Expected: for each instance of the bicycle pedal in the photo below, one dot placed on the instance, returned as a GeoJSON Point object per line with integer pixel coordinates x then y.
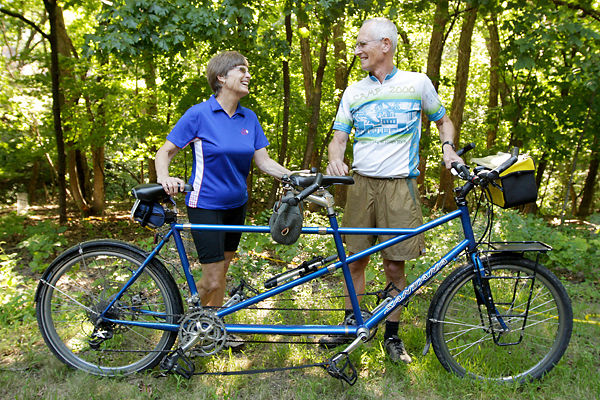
{"type": "Point", "coordinates": [177, 362]}
{"type": "Point", "coordinates": [347, 372]}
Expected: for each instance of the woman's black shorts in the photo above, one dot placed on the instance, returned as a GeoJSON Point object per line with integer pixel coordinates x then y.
{"type": "Point", "coordinates": [212, 245]}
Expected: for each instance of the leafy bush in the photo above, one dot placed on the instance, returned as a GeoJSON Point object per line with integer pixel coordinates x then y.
{"type": "Point", "coordinates": [11, 225]}
{"type": "Point", "coordinates": [15, 298]}
{"type": "Point", "coordinates": [42, 242]}
{"type": "Point", "coordinates": [576, 249]}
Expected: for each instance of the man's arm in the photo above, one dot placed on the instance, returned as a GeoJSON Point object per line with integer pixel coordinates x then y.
{"type": "Point", "coordinates": [336, 150]}
{"type": "Point", "coordinates": [446, 129]}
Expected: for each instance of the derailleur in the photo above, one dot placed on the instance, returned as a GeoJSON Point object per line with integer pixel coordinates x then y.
{"type": "Point", "coordinates": [99, 336]}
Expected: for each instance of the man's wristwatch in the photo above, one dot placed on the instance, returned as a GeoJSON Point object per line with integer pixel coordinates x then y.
{"type": "Point", "coordinates": [450, 143]}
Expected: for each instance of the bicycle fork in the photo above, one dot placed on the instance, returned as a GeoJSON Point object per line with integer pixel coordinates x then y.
{"type": "Point", "coordinates": [485, 299]}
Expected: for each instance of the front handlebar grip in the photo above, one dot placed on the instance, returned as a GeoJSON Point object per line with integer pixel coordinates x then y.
{"type": "Point", "coordinates": [514, 156]}
{"type": "Point", "coordinates": [462, 169]}
{"type": "Point", "coordinates": [468, 147]}
{"type": "Point", "coordinates": [462, 151]}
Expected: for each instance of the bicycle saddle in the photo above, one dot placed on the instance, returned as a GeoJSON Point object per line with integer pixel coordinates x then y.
{"type": "Point", "coordinates": [154, 192]}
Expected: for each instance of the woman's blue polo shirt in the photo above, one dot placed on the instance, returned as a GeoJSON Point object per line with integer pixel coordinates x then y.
{"type": "Point", "coordinates": [222, 148]}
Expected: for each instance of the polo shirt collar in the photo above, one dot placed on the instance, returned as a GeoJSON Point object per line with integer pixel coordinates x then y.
{"type": "Point", "coordinates": [387, 77]}
{"type": "Point", "coordinates": [215, 106]}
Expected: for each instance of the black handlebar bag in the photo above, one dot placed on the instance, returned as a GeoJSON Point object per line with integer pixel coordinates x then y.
{"type": "Point", "coordinates": [516, 185]}
{"type": "Point", "coordinates": [286, 221]}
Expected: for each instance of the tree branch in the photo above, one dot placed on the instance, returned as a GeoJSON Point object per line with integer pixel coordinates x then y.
{"type": "Point", "coordinates": [586, 11]}
{"type": "Point", "coordinates": [28, 22]}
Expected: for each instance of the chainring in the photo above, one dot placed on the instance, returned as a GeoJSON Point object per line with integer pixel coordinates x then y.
{"type": "Point", "coordinates": [209, 329]}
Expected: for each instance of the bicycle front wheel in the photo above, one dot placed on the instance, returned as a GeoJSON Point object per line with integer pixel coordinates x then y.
{"type": "Point", "coordinates": [531, 301]}
{"type": "Point", "coordinates": [81, 284]}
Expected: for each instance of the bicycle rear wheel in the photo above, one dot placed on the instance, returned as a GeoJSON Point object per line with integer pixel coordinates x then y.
{"type": "Point", "coordinates": [81, 283]}
{"type": "Point", "coordinates": [532, 302]}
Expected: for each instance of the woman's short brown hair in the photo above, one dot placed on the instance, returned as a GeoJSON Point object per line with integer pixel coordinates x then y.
{"type": "Point", "coordinates": [220, 65]}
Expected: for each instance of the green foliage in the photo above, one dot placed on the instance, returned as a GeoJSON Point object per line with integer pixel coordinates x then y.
{"type": "Point", "coordinates": [42, 241]}
{"type": "Point", "coordinates": [576, 249]}
{"type": "Point", "coordinates": [141, 66]}
{"type": "Point", "coordinates": [11, 224]}
{"type": "Point", "coordinates": [15, 298]}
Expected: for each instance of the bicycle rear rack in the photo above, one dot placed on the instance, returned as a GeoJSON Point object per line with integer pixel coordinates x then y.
{"type": "Point", "coordinates": [513, 311]}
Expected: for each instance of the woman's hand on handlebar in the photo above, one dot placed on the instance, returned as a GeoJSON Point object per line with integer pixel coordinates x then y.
{"type": "Point", "coordinates": [172, 185]}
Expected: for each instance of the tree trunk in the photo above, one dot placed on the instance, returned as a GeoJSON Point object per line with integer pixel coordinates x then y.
{"type": "Point", "coordinates": [151, 108]}
{"type": "Point", "coordinates": [75, 158]}
{"type": "Point", "coordinates": [98, 191]}
{"type": "Point", "coordinates": [493, 45]}
{"type": "Point", "coordinates": [312, 87]}
{"type": "Point", "coordinates": [591, 180]}
{"type": "Point", "coordinates": [52, 9]}
{"type": "Point", "coordinates": [286, 94]}
{"type": "Point", "coordinates": [341, 82]}
{"type": "Point", "coordinates": [434, 63]}
{"type": "Point", "coordinates": [76, 181]}
{"type": "Point", "coordinates": [445, 197]}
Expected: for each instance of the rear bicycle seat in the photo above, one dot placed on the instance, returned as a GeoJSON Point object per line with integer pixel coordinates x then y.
{"type": "Point", "coordinates": [154, 192]}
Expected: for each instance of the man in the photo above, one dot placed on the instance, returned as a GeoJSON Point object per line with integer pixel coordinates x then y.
{"type": "Point", "coordinates": [385, 109]}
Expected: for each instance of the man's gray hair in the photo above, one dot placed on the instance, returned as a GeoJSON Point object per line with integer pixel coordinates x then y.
{"type": "Point", "coordinates": [384, 28]}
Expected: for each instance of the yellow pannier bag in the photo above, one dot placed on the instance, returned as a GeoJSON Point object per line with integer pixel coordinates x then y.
{"type": "Point", "coordinates": [515, 186]}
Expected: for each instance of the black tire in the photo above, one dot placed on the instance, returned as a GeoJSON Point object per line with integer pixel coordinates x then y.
{"type": "Point", "coordinates": [460, 329]}
{"type": "Point", "coordinates": [80, 283]}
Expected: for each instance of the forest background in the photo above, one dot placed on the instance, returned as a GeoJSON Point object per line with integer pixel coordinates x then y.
{"type": "Point", "coordinates": [89, 91]}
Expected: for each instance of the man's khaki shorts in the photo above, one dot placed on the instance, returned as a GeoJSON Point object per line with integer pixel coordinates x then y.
{"type": "Point", "coordinates": [384, 203]}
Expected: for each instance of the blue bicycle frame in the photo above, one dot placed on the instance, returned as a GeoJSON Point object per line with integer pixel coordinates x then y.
{"type": "Point", "coordinates": [381, 313]}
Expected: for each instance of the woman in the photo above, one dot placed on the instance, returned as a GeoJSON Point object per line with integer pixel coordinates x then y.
{"type": "Point", "coordinates": [225, 138]}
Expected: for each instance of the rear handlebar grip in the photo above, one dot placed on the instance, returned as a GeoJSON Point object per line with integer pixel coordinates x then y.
{"type": "Point", "coordinates": [307, 191]}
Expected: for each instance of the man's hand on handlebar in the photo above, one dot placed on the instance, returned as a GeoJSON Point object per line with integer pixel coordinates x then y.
{"type": "Point", "coordinates": [450, 156]}
{"type": "Point", "coordinates": [172, 185]}
{"type": "Point", "coordinates": [337, 168]}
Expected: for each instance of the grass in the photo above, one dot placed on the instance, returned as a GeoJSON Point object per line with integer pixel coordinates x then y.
{"type": "Point", "coordinates": [28, 370]}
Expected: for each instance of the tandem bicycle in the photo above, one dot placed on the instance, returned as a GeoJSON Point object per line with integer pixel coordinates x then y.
{"type": "Point", "coordinates": [109, 308]}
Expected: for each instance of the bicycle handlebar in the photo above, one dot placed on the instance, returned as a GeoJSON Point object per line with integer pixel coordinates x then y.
{"type": "Point", "coordinates": [482, 178]}
{"type": "Point", "coordinates": [293, 201]}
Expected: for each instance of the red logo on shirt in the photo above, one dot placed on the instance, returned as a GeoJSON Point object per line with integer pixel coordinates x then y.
{"type": "Point", "coordinates": [244, 132]}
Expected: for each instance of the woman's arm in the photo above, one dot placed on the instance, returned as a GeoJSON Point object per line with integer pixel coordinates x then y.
{"type": "Point", "coordinates": [267, 165]}
{"type": "Point", "coordinates": [164, 155]}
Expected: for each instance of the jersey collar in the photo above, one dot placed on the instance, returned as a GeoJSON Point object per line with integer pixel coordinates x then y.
{"type": "Point", "coordinates": [387, 77]}
{"type": "Point", "coordinates": [215, 106]}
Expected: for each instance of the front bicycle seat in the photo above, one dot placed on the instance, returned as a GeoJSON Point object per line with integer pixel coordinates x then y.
{"type": "Point", "coordinates": [154, 192]}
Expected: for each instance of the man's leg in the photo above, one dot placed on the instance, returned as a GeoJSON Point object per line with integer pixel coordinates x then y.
{"type": "Point", "coordinates": [394, 273]}
{"type": "Point", "coordinates": [357, 271]}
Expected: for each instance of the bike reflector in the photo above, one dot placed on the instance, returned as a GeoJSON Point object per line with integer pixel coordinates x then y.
{"type": "Point", "coordinates": [148, 214]}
